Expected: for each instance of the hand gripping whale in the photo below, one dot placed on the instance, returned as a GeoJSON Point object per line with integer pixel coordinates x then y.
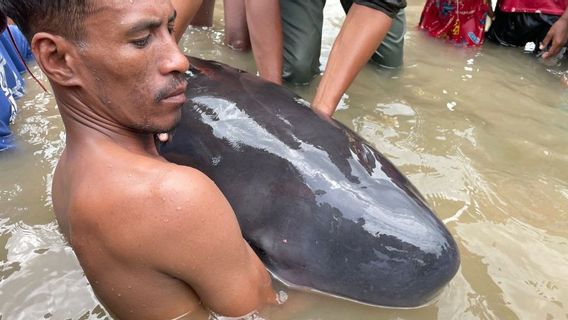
{"type": "Point", "coordinates": [321, 207]}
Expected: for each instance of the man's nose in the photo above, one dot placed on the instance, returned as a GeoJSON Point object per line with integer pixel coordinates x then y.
{"type": "Point", "coordinates": [174, 60]}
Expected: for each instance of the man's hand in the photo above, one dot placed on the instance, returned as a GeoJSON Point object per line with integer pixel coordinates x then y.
{"type": "Point", "coordinates": [362, 32]}
{"type": "Point", "coordinates": [556, 37]}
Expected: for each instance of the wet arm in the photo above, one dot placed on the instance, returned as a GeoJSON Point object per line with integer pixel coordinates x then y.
{"type": "Point", "coordinates": [185, 10]}
{"type": "Point", "coordinates": [265, 29]}
{"type": "Point", "coordinates": [362, 32]}
{"type": "Point", "coordinates": [205, 249]}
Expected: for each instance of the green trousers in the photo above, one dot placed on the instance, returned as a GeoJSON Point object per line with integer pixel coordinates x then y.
{"type": "Point", "coordinates": [302, 22]}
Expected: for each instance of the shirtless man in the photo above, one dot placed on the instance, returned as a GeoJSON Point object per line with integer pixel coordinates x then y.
{"type": "Point", "coordinates": [156, 240]}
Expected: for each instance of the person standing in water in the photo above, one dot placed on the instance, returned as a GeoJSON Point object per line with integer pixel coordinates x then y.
{"type": "Point", "coordinates": [285, 36]}
{"type": "Point", "coordinates": [155, 240]}
{"type": "Point", "coordinates": [544, 23]}
{"type": "Point", "coordinates": [11, 81]}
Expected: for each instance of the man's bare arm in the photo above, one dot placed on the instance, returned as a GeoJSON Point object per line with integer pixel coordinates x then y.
{"type": "Point", "coordinates": [236, 29]}
{"type": "Point", "coordinates": [203, 246]}
{"type": "Point", "coordinates": [265, 29]}
{"type": "Point", "coordinates": [185, 10]}
{"type": "Point", "coordinates": [362, 32]}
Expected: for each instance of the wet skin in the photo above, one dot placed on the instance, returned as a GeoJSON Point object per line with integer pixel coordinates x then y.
{"type": "Point", "coordinates": [321, 207]}
{"type": "Point", "coordinates": [152, 245]}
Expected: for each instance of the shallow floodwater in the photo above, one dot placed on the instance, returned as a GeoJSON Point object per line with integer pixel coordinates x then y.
{"type": "Point", "coordinates": [482, 133]}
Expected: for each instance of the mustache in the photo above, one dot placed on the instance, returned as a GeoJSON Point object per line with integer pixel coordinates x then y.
{"type": "Point", "coordinates": [177, 79]}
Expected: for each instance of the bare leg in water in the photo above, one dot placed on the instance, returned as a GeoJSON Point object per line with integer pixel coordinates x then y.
{"type": "Point", "coordinates": [236, 29]}
{"type": "Point", "coordinates": [204, 17]}
{"type": "Point", "coordinates": [256, 24]}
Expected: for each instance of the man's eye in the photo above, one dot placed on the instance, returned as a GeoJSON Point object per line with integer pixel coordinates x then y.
{"type": "Point", "coordinates": [141, 43]}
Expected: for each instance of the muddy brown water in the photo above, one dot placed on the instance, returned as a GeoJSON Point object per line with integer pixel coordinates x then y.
{"type": "Point", "coordinates": [482, 133]}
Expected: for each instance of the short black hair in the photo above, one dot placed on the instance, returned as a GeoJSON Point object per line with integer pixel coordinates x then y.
{"type": "Point", "coordinates": [3, 22]}
{"type": "Point", "coordinates": [61, 17]}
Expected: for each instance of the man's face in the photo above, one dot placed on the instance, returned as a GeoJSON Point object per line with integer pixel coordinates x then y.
{"type": "Point", "coordinates": [132, 67]}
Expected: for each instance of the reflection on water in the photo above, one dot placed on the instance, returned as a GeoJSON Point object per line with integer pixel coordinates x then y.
{"type": "Point", "coordinates": [482, 133]}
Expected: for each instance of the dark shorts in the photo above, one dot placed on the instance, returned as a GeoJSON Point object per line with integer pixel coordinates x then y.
{"type": "Point", "coordinates": [302, 22]}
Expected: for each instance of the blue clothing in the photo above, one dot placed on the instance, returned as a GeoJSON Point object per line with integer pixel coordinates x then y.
{"type": "Point", "coordinates": [11, 81]}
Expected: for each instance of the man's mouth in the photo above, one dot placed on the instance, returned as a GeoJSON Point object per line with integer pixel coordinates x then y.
{"type": "Point", "coordinates": [177, 95]}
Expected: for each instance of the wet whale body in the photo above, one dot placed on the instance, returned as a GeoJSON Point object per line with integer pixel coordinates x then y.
{"type": "Point", "coordinates": [321, 207]}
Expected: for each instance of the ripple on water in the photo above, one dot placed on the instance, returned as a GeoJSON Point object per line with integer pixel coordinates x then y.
{"type": "Point", "coordinates": [527, 264]}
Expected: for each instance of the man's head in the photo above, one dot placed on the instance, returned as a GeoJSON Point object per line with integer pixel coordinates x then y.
{"type": "Point", "coordinates": [110, 62]}
{"type": "Point", "coordinates": [61, 17]}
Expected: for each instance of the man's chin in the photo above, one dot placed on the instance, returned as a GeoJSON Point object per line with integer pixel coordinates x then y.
{"type": "Point", "coordinates": [160, 128]}
{"type": "Point", "coordinates": [164, 129]}
{"type": "Point", "coordinates": [176, 122]}
{"type": "Point", "coordinates": [170, 126]}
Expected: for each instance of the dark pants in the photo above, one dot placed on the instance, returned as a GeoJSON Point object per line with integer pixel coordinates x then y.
{"type": "Point", "coordinates": [302, 22]}
{"type": "Point", "coordinates": [516, 29]}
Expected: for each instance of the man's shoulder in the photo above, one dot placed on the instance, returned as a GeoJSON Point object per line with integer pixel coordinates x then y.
{"type": "Point", "coordinates": [176, 183]}
{"type": "Point", "coordinates": [142, 191]}
{"type": "Point", "coordinates": [182, 208]}
{"type": "Point", "coordinates": [150, 179]}
{"type": "Point", "coordinates": [166, 186]}
{"type": "Point", "coordinates": [153, 207]}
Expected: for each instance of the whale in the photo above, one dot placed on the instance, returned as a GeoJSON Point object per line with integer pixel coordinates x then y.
{"type": "Point", "coordinates": [322, 208]}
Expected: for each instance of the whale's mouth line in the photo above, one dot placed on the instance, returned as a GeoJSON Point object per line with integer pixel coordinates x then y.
{"type": "Point", "coordinates": [312, 290]}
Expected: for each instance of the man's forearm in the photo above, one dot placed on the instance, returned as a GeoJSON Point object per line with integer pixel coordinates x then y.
{"type": "Point", "coordinates": [185, 10]}
{"type": "Point", "coordinates": [265, 30]}
{"type": "Point", "coordinates": [565, 14]}
{"type": "Point", "coordinates": [361, 34]}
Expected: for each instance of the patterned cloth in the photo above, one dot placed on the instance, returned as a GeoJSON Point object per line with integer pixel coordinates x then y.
{"type": "Point", "coordinates": [11, 81]}
{"type": "Point", "coordinates": [461, 21]}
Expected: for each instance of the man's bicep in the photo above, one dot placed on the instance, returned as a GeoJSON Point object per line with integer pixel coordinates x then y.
{"type": "Point", "coordinates": [213, 258]}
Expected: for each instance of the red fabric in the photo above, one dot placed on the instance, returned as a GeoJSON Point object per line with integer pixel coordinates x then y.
{"type": "Point", "coordinates": [461, 21]}
{"type": "Point", "coordinates": [554, 7]}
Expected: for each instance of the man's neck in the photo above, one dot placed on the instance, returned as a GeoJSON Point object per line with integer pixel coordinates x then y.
{"type": "Point", "coordinates": [85, 128]}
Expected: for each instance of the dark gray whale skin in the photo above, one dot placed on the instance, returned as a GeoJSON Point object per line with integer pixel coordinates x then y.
{"type": "Point", "coordinates": [321, 207]}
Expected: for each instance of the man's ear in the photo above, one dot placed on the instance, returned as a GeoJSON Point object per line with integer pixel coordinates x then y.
{"type": "Point", "coordinates": [56, 57]}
